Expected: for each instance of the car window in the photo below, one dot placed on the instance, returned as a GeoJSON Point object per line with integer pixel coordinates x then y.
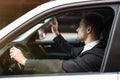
{"type": "Point", "coordinates": [37, 42]}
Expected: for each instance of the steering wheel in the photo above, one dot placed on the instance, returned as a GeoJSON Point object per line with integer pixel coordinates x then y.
{"type": "Point", "coordinates": [15, 67]}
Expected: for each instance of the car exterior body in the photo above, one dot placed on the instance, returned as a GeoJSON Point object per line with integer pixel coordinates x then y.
{"type": "Point", "coordinates": [22, 33]}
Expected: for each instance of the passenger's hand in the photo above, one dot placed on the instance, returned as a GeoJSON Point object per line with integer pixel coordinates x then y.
{"type": "Point", "coordinates": [54, 27]}
{"type": "Point", "coordinates": [17, 55]}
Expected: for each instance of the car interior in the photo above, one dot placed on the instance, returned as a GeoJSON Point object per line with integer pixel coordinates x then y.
{"type": "Point", "coordinates": [40, 45]}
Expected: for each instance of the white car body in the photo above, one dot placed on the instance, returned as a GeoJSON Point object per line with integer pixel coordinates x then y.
{"type": "Point", "coordinates": [38, 10]}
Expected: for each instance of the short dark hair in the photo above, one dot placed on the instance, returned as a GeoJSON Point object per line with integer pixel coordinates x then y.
{"type": "Point", "coordinates": [95, 20]}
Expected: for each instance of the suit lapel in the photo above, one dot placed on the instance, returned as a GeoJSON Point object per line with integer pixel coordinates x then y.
{"type": "Point", "coordinates": [96, 50]}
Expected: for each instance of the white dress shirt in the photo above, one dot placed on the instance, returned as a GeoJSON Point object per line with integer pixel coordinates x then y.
{"type": "Point", "coordinates": [90, 45]}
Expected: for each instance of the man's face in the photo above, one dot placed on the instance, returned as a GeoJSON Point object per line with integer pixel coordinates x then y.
{"type": "Point", "coordinates": [82, 31]}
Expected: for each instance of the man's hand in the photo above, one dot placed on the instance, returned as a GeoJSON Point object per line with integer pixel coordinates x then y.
{"type": "Point", "coordinates": [54, 27]}
{"type": "Point", "coordinates": [17, 54]}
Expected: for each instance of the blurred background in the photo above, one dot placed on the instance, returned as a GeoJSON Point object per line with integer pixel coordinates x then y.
{"type": "Point", "coordinates": [12, 9]}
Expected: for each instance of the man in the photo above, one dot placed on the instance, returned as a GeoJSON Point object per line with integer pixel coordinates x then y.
{"type": "Point", "coordinates": [84, 59]}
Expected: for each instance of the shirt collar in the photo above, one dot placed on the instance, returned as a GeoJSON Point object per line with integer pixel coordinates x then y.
{"type": "Point", "coordinates": [90, 45]}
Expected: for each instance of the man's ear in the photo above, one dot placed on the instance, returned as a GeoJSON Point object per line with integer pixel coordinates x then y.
{"type": "Point", "coordinates": [89, 29]}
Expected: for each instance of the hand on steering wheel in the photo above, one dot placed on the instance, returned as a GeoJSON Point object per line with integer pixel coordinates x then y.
{"type": "Point", "coordinates": [17, 55]}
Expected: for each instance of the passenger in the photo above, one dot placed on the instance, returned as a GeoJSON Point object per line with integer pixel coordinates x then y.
{"type": "Point", "coordinates": [87, 58]}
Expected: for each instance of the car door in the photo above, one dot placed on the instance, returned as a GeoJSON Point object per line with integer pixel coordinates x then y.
{"type": "Point", "coordinates": [26, 35]}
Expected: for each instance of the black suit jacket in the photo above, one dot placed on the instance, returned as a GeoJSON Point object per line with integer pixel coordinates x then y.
{"type": "Point", "coordinates": [87, 61]}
